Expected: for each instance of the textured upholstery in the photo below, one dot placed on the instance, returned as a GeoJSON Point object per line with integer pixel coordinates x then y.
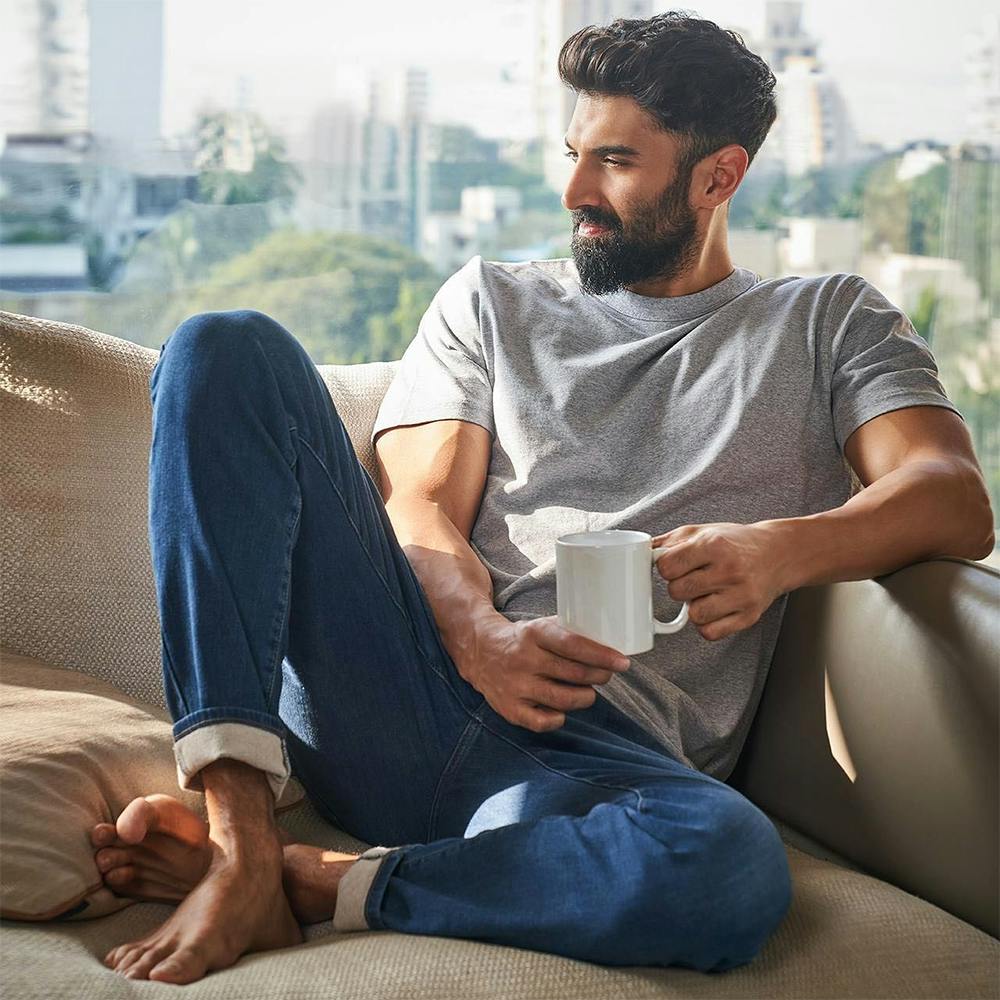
{"type": "Point", "coordinates": [76, 590]}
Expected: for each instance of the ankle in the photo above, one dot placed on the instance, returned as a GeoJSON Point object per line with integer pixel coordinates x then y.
{"type": "Point", "coordinates": [238, 800]}
{"type": "Point", "coordinates": [247, 847]}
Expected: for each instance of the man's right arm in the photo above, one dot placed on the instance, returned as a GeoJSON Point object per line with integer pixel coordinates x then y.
{"type": "Point", "coordinates": [433, 504]}
{"type": "Point", "coordinates": [531, 672]}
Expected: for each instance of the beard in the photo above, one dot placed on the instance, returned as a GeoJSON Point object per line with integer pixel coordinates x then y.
{"type": "Point", "coordinates": [661, 243]}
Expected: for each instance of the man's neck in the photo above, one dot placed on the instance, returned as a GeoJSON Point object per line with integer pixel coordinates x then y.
{"type": "Point", "coordinates": [711, 266]}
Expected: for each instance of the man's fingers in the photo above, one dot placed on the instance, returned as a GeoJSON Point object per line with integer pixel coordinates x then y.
{"type": "Point", "coordinates": [572, 646]}
{"type": "Point", "coordinates": [682, 558]}
{"type": "Point", "coordinates": [540, 719]}
{"type": "Point", "coordinates": [562, 697]}
{"type": "Point", "coordinates": [690, 586]}
{"type": "Point", "coordinates": [572, 672]}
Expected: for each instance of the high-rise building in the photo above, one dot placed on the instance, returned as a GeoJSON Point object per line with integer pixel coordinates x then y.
{"type": "Point", "coordinates": [414, 152]}
{"type": "Point", "coordinates": [44, 69]}
{"type": "Point", "coordinates": [982, 66]}
{"type": "Point", "coordinates": [126, 74]}
{"type": "Point", "coordinates": [813, 127]}
{"type": "Point", "coordinates": [784, 37]}
{"type": "Point", "coordinates": [328, 153]}
{"type": "Point", "coordinates": [83, 66]}
{"type": "Point", "coordinates": [394, 188]}
{"type": "Point", "coordinates": [554, 22]}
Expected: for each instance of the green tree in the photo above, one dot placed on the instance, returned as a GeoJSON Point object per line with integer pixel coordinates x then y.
{"type": "Point", "coordinates": [346, 298]}
{"type": "Point", "coordinates": [227, 136]}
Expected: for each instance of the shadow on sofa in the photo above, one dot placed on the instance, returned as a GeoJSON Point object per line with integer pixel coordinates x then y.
{"type": "Point", "coordinates": [874, 748]}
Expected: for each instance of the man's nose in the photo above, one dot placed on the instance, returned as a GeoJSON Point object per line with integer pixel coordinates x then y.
{"type": "Point", "coordinates": [580, 189]}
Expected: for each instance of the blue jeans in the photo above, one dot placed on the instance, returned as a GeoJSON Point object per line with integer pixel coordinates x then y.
{"type": "Point", "coordinates": [296, 636]}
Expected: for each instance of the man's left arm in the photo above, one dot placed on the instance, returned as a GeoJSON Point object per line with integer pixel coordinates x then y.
{"type": "Point", "coordinates": [924, 497]}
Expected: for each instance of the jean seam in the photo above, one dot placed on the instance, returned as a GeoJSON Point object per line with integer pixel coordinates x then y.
{"type": "Point", "coordinates": [276, 651]}
{"type": "Point", "coordinates": [570, 777]}
{"type": "Point", "coordinates": [392, 597]}
{"type": "Point", "coordinates": [168, 664]}
{"type": "Point", "coordinates": [458, 754]}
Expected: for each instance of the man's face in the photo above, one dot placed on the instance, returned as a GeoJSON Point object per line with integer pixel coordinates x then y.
{"type": "Point", "coordinates": [632, 220]}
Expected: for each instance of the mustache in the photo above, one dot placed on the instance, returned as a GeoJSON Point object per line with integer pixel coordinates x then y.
{"type": "Point", "coordinates": [596, 218]}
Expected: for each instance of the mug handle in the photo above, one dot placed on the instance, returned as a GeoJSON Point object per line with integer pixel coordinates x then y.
{"type": "Point", "coordinates": [667, 628]}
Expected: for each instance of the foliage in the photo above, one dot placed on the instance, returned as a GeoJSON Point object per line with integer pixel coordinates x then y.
{"type": "Point", "coordinates": [192, 240]}
{"type": "Point", "coordinates": [347, 298]}
{"type": "Point", "coordinates": [228, 141]}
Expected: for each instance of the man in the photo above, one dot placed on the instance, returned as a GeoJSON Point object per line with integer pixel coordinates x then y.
{"type": "Point", "coordinates": [402, 652]}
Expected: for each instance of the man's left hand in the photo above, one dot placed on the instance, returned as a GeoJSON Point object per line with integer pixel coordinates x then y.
{"type": "Point", "coordinates": [729, 574]}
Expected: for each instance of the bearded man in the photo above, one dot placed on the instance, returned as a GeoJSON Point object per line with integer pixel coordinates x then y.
{"type": "Point", "coordinates": [398, 648]}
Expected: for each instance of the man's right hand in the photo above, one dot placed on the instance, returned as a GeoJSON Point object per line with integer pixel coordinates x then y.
{"type": "Point", "coordinates": [532, 672]}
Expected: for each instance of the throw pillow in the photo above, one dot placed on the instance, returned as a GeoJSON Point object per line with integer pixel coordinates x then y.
{"type": "Point", "coordinates": [74, 751]}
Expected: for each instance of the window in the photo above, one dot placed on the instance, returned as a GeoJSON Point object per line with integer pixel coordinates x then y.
{"type": "Point", "coordinates": [255, 155]}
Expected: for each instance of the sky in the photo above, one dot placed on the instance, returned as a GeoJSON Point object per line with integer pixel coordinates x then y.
{"type": "Point", "coordinates": [899, 63]}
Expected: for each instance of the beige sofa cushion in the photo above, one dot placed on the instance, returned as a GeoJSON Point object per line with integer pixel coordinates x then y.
{"type": "Point", "coordinates": [74, 751]}
{"type": "Point", "coordinates": [846, 935]}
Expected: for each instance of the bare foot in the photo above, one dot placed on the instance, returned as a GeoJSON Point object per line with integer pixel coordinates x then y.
{"type": "Point", "coordinates": [239, 906]}
{"type": "Point", "coordinates": [159, 851]}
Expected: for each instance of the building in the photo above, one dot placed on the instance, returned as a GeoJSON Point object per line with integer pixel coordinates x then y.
{"type": "Point", "coordinates": [125, 76]}
{"type": "Point", "coordinates": [449, 239]}
{"type": "Point", "coordinates": [83, 66]}
{"type": "Point", "coordinates": [394, 186]}
{"type": "Point", "coordinates": [329, 155]}
{"type": "Point", "coordinates": [81, 157]}
{"type": "Point", "coordinates": [44, 73]}
{"type": "Point", "coordinates": [813, 128]}
{"type": "Point", "coordinates": [815, 246]}
{"type": "Point", "coordinates": [553, 102]}
{"type": "Point", "coordinates": [982, 66]}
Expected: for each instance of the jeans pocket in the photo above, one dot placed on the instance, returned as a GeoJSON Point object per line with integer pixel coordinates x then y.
{"type": "Point", "coordinates": [463, 744]}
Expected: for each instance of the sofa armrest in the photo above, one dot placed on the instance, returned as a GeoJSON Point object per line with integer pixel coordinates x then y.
{"type": "Point", "coordinates": [878, 733]}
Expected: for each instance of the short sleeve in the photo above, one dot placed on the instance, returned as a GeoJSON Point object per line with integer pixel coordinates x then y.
{"type": "Point", "coordinates": [880, 363]}
{"type": "Point", "coordinates": [443, 374]}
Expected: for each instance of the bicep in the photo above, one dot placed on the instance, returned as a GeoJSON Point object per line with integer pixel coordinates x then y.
{"type": "Point", "coordinates": [445, 461]}
{"type": "Point", "coordinates": [911, 434]}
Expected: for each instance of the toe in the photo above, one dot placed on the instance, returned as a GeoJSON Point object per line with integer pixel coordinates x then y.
{"type": "Point", "coordinates": [185, 966]}
{"type": "Point", "coordinates": [120, 876]}
{"type": "Point", "coordinates": [134, 821]}
{"type": "Point", "coordinates": [103, 834]}
{"type": "Point", "coordinates": [127, 954]}
{"type": "Point", "coordinates": [113, 957]}
{"type": "Point", "coordinates": [109, 858]}
{"type": "Point", "coordinates": [142, 963]}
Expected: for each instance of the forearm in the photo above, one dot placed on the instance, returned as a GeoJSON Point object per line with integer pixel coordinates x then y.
{"type": "Point", "coordinates": [457, 585]}
{"type": "Point", "coordinates": [916, 512]}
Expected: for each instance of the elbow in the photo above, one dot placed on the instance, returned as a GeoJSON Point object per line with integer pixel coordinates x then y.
{"type": "Point", "coordinates": [986, 544]}
{"type": "Point", "coordinates": [981, 521]}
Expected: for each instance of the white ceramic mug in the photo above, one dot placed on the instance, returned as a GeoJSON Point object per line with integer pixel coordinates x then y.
{"type": "Point", "coordinates": [604, 588]}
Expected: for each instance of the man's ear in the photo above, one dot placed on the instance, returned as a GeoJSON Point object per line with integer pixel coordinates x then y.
{"type": "Point", "coordinates": [717, 176]}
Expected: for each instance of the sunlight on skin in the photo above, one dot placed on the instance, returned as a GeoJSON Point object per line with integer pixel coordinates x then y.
{"type": "Point", "coordinates": [835, 734]}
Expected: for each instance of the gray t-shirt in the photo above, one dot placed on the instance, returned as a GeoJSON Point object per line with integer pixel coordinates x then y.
{"type": "Point", "coordinates": [626, 411]}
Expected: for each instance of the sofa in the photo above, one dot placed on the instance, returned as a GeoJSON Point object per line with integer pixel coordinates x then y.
{"type": "Point", "coordinates": [874, 748]}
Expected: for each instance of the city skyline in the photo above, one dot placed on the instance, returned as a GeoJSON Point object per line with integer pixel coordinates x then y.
{"type": "Point", "coordinates": [206, 59]}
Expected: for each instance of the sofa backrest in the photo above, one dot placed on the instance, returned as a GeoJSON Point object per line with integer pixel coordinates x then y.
{"type": "Point", "coordinates": [76, 582]}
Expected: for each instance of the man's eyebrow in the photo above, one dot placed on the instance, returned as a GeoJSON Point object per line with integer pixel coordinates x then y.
{"type": "Point", "coordinates": [608, 150]}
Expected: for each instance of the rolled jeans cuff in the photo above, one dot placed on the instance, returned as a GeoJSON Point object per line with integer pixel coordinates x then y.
{"type": "Point", "coordinates": [250, 744]}
{"type": "Point", "coordinates": [354, 887]}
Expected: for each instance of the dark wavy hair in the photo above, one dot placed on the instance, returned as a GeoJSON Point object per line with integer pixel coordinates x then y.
{"type": "Point", "coordinates": [692, 78]}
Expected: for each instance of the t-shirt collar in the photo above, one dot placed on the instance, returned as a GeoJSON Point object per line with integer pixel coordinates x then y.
{"type": "Point", "coordinates": [678, 308]}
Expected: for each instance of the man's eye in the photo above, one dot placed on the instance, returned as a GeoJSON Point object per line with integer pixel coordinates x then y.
{"type": "Point", "coordinates": [570, 153]}
{"type": "Point", "coordinates": [613, 163]}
